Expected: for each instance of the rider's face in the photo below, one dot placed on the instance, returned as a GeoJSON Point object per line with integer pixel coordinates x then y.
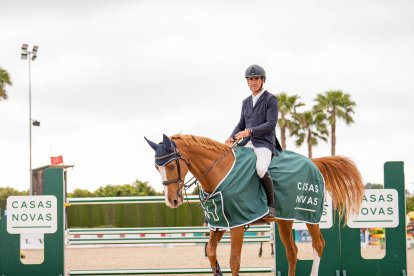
{"type": "Point", "coordinates": [255, 84]}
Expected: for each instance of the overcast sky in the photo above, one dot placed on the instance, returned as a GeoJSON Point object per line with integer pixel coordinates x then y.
{"type": "Point", "coordinates": [109, 73]}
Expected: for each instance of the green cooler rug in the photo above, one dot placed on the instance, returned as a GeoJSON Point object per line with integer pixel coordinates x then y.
{"type": "Point", "coordinates": [240, 198]}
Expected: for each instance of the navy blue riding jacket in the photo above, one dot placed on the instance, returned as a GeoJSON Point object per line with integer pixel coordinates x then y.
{"type": "Point", "coordinates": [261, 119]}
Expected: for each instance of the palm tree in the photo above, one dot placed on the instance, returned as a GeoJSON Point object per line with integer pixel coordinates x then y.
{"type": "Point", "coordinates": [4, 80]}
{"type": "Point", "coordinates": [335, 104]}
{"type": "Point", "coordinates": [311, 127]}
{"type": "Point", "coordinates": [287, 108]}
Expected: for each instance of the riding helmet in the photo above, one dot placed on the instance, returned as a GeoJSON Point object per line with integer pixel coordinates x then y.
{"type": "Point", "coordinates": [255, 71]}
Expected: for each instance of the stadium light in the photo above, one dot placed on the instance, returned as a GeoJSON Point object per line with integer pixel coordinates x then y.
{"type": "Point", "coordinates": [30, 56]}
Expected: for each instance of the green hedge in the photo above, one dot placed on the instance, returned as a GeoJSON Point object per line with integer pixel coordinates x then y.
{"type": "Point", "coordinates": [2, 205]}
{"type": "Point", "coordinates": [131, 215]}
{"type": "Point", "coordinates": [134, 215]}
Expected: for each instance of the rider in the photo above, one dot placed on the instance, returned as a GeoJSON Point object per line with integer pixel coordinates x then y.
{"type": "Point", "coordinates": [258, 125]}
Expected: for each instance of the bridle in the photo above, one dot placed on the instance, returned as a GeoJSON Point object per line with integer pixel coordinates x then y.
{"type": "Point", "coordinates": [177, 157]}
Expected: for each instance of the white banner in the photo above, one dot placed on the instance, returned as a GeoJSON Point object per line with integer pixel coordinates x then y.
{"type": "Point", "coordinates": [31, 214]}
{"type": "Point", "coordinates": [379, 209]}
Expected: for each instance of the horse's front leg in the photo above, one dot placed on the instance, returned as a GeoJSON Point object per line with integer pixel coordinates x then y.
{"type": "Point", "coordinates": [237, 236]}
{"type": "Point", "coordinates": [215, 237]}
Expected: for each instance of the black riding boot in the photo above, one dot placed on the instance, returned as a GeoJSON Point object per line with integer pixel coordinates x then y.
{"type": "Point", "coordinates": [267, 183]}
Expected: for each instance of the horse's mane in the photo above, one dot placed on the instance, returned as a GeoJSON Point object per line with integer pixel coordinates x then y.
{"type": "Point", "coordinates": [207, 143]}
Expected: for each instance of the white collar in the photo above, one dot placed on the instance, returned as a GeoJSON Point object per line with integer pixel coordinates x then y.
{"type": "Point", "coordinates": [256, 98]}
{"type": "Point", "coordinates": [259, 94]}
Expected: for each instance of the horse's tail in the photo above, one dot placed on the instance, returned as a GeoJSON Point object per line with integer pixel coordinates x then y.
{"type": "Point", "coordinates": [344, 182]}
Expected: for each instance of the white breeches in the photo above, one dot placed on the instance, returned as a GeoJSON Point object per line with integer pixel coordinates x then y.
{"type": "Point", "coordinates": [263, 158]}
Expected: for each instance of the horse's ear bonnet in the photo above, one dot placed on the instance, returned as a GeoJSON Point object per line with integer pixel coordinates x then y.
{"type": "Point", "coordinates": [153, 145]}
{"type": "Point", "coordinates": [164, 151]}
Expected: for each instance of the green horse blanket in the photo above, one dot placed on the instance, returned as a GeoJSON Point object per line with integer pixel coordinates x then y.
{"type": "Point", "coordinates": [240, 199]}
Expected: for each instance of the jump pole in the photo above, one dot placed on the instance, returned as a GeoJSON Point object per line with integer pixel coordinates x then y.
{"type": "Point", "coordinates": [125, 200]}
{"type": "Point", "coordinates": [155, 230]}
{"type": "Point", "coordinates": [166, 271]}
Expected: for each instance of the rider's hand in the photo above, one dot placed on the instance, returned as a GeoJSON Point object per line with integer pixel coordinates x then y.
{"type": "Point", "coordinates": [242, 134]}
{"type": "Point", "coordinates": [229, 141]}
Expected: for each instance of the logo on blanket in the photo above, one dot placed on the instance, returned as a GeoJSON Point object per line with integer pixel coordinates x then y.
{"type": "Point", "coordinates": [211, 214]}
{"type": "Point", "coordinates": [213, 206]}
{"type": "Point", "coordinates": [310, 198]}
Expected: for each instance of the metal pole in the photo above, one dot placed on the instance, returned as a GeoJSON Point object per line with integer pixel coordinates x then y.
{"type": "Point", "coordinates": [30, 126]}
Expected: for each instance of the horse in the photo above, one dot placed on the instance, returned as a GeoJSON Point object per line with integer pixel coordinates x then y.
{"type": "Point", "coordinates": [210, 162]}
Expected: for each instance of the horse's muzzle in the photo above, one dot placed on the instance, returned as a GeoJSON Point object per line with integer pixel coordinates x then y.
{"type": "Point", "coordinates": [173, 199]}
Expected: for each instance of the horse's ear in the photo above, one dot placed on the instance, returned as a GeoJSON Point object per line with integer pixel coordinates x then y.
{"type": "Point", "coordinates": [167, 142]}
{"type": "Point", "coordinates": [153, 145]}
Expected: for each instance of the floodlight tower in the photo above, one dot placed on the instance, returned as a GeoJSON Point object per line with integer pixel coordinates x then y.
{"type": "Point", "coordinates": [30, 56]}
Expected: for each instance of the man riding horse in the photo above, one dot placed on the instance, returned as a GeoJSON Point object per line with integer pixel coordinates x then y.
{"type": "Point", "coordinates": [227, 177]}
{"type": "Point", "coordinates": [258, 126]}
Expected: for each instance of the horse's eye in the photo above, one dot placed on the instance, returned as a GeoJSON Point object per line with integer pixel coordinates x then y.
{"type": "Point", "coordinates": [172, 166]}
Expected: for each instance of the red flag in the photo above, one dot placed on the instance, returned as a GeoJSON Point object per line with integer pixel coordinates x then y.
{"type": "Point", "coordinates": [55, 161]}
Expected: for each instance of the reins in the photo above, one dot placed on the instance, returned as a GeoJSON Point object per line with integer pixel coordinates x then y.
{"type": "Point", "coordinates": [177, 156]}
{"type": "Point", "coordinates": [186, 186]}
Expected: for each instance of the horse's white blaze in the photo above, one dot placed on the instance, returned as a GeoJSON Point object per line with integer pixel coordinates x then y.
{"type": "Point", "coordinates": [164, 178]}
{"type": "Point", "coordinates": [166, 198]}
{"type": "Point", "coordinates": [315, 263]}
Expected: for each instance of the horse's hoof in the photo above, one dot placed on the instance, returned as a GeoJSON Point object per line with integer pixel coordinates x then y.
{"type": "Point", "coordinates": [217, 270]}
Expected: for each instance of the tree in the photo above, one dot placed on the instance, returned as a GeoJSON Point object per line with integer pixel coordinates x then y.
{"type": "Point", "coordinates": [287, 108]}
{"type": "Point", "coordinates": [81, 193]}
{"type": "Point", "coordinates": [311, 127]}
{"type": "Point", "coordinates": [7, 191]}
{"type": "Point", "coordinates": [136, 189]}
{"type": "Point", "coordinates": [144, 189]}
{"type": "Point", "coordinates": [4, 80]}
{"type": "Point", "coordinates": [335, 104]}
{"type": "Point", "coordinates": [409, 203]}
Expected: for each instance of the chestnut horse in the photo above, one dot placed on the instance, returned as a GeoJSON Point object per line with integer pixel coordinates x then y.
{"type": "Point", "coordinates": [209, 162]}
